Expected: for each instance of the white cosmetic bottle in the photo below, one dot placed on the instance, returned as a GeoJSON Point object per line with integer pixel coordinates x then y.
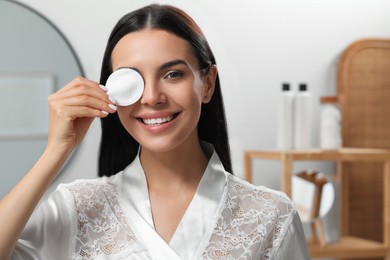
{"type": "Point", "coordinates": [302, 125]}
{"type": "Point", "coordinates": [286, 118]}
{"type": "Point", "coordinates": [330, 128]}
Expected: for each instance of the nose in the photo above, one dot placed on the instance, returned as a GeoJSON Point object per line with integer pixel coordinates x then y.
{"type": "Point", "coordinates": [152, 94]}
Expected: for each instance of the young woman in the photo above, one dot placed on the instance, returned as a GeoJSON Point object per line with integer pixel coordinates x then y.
{"type": "Point", "coordinates": [166, 190]}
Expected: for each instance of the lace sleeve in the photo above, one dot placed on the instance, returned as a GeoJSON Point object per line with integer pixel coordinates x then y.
{"type": "Point", "coordinates": [293, 245]}
{"type": "Point", "coordinates": [48, 233]}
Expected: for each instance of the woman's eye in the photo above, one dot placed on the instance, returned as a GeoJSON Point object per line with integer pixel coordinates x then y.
{"type": "Point", "coordinates": [173, 75]}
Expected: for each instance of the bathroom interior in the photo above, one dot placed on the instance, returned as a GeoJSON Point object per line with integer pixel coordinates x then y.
{"type": "Point", "coordinates": [306, 86]}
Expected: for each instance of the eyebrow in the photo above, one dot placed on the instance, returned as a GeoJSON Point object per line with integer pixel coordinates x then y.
{"type": "Point", "coordinates": [172, 63]}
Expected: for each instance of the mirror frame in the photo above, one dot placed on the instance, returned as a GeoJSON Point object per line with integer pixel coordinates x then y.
{"type": "Point", "coordinates": [74, 54]}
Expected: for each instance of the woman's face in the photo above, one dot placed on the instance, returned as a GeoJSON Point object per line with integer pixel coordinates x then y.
{"type": "Point", "coordinates": [168, 112]}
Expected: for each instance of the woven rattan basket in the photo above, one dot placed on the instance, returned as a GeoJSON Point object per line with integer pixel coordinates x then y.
{"type": "Point", "coordinates": [364, 94]}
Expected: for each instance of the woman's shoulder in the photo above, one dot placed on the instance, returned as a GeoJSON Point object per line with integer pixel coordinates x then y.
{"type": "Point", "coordinates": [83, 190]}
{"type": "Point", "coordinates": [259, 198]}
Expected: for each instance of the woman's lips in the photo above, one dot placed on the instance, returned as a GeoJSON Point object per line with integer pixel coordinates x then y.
{"type": "Point", "coordinates": [157, 119]}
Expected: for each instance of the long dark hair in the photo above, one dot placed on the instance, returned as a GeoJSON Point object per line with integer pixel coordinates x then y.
{"type": "Point", "coordinates": [118, 148]}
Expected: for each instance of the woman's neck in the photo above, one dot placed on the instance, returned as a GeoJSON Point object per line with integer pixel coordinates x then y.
{"type": "Point", "coordinates": [183, 165]}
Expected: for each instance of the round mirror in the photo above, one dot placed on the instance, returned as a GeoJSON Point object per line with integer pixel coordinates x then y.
{"type": "Point", "coordinates": [35, 61]}
{"type": "Point", "coordinates": [313, 195]}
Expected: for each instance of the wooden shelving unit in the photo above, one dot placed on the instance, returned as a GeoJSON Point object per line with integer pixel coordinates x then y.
{"type": "Point", "coordinates": [347, 246]}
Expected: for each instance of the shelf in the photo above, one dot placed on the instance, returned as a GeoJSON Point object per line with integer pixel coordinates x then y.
{"type": "Point", "coordinates": [349, 247]}
{"type": "Point", "coordinates": [342, 154]}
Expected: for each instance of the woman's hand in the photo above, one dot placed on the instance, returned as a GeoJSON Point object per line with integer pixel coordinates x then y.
{"type": "Point", "coordinates": [72, 110]}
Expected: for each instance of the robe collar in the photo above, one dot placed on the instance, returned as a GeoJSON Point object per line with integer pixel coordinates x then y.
{"type": "Point", "coordinates": [201, 213]}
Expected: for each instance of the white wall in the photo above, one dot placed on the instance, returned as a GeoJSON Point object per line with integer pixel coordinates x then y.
{"type": "Point", "coordinates": [258, 45]}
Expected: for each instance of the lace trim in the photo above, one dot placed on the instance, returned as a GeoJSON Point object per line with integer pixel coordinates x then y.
{"type": "Point", "coordinates": [102, 227]}
{"type": "Point", "coordinates": [251, 223]}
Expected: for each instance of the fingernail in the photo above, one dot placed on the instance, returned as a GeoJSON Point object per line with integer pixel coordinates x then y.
{"type": "Point", "coordinates": [113, 107]}
{"type": "Point", "coordinates": [103, 87]}
{"type": "Point", "coordinates": [104, 112]}
{"type": "Point", "coordinates": [112, 99]}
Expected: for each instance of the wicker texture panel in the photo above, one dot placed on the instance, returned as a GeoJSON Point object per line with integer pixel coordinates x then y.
{"type": "Point", "coordinates": [364, 92]}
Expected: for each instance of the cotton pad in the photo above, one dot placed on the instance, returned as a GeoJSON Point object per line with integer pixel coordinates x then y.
{"type": "Point", "coordinates": [125, 86]}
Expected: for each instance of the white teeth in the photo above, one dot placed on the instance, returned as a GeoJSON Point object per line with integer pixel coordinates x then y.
{"type": "Point", "coordinates": [156, 121]}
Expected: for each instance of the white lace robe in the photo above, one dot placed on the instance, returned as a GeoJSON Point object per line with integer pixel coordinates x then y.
{"type": "Point", "coordinates": [227, 219]}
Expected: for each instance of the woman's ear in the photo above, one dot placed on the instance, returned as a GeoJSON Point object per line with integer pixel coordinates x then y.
{"type": "Point", "coordinates": [209, 82]}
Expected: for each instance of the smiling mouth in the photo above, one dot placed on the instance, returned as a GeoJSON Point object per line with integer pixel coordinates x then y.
{"type": "Point", "coordinates": [157, 121]}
